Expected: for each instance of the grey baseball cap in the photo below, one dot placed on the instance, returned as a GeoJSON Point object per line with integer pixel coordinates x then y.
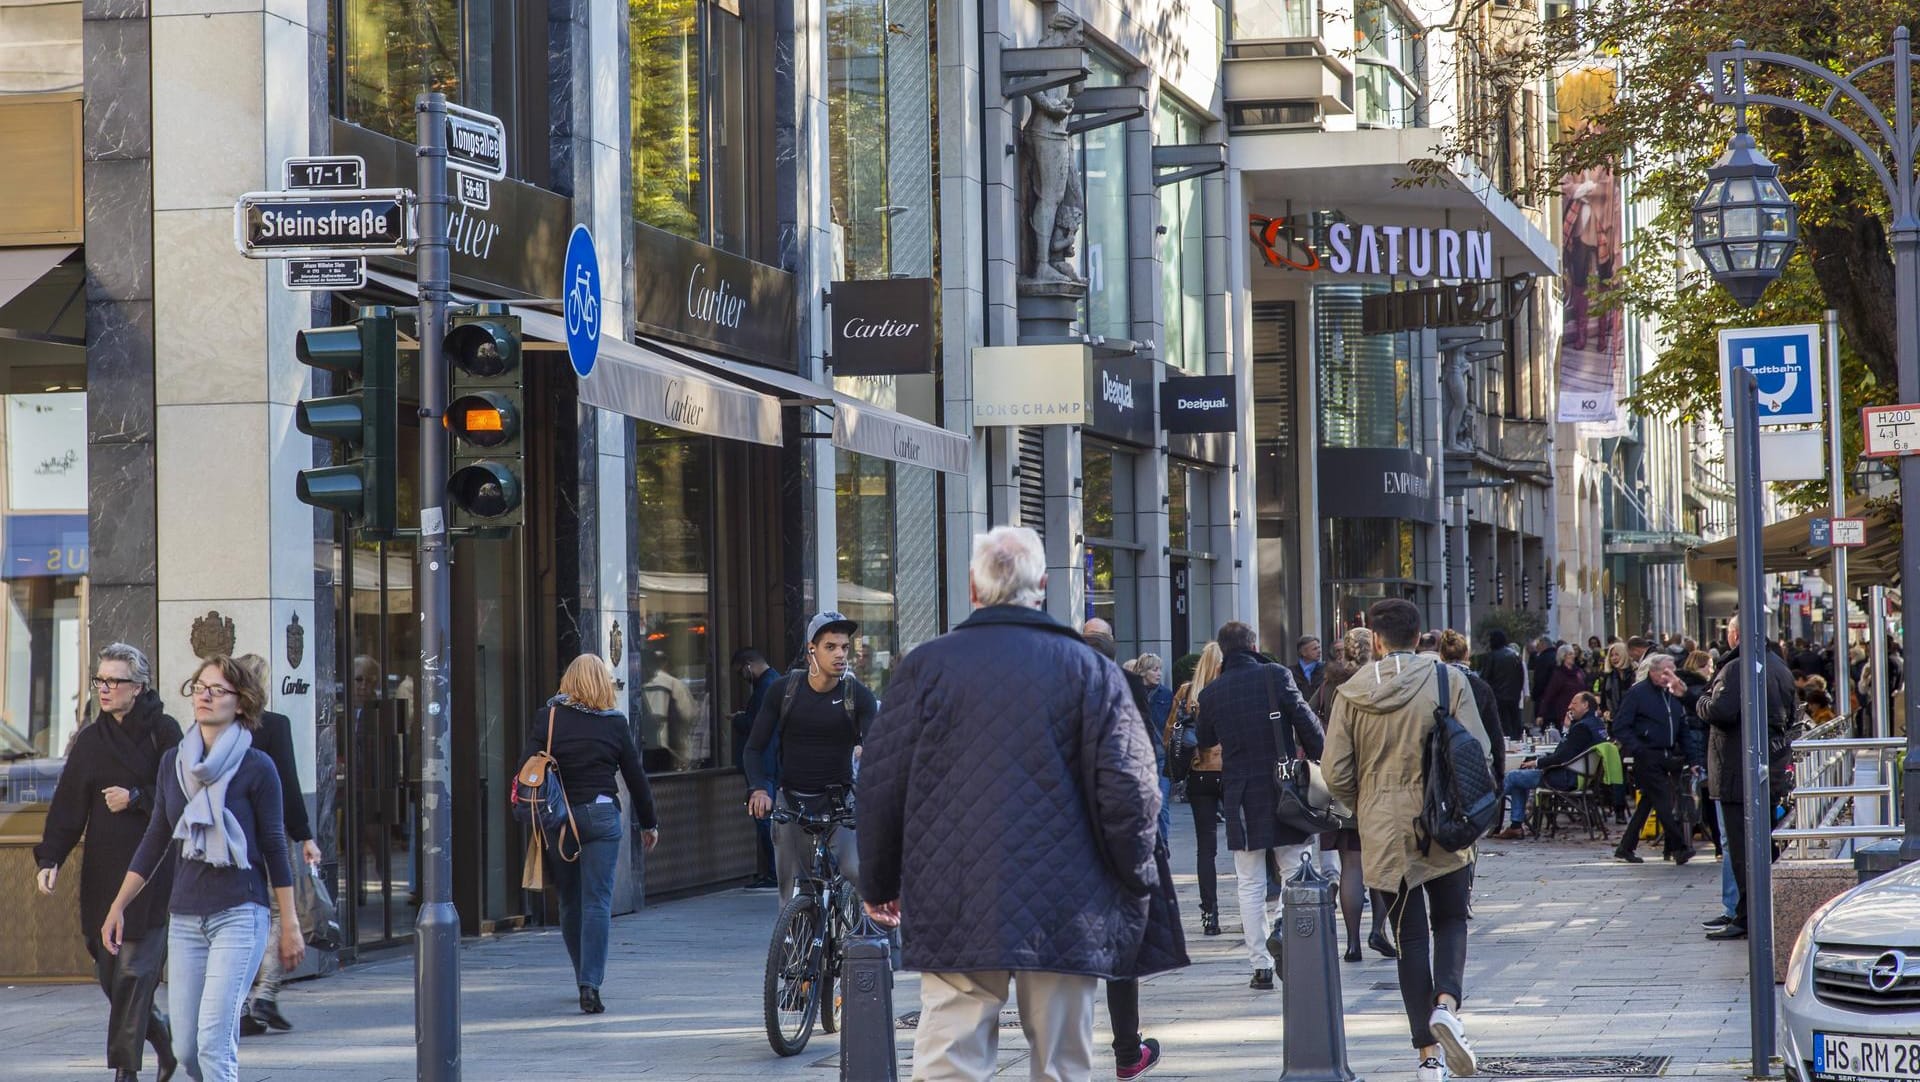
{"type": "Point", "coordinates": [824, 622]}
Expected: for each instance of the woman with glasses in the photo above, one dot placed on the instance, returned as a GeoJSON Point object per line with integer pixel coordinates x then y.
{"type": "Point", "coordinates": [217, 810]}
{"type": "Point", "coordinates": [106, 793]}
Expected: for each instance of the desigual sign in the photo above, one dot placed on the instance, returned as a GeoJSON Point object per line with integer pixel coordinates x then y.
{"type": "Point", "coordinates": [882, 327]}
{"type": "Point", "coordinates": [1198, 404]}
{"type": "Point", "coordinates": [700, 296]}
{"type": "Point", "coordinates": [1407, 251]}
{"type": "Point", "coordinates": [1122, 396]}
{"type": "Point", "coordinates": [1029, 385]}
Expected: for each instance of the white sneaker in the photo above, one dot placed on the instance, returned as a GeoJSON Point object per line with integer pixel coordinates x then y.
{"type": "Point", "coordinates": [1451, 1036]}
{"type": "Point", "coordinates": [1432, 1070]}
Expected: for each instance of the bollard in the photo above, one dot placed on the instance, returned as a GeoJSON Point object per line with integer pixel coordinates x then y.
{"type": "Point", "coordinates": [1313, 1018]}
{"type": "Point", "coordinates": [867, 1052]}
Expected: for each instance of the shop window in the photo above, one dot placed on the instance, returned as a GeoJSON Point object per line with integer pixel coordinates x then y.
{"type": "Point", "coordinates": [45, 656]}
{"type": "Point", "coordinates": [1107, 310]}
{"type": "Point", "coordinates": [865, 522]}
{"type": "Point", "coordinates": [1366, 560]}
{"type": "Point", "coordinates": [673, 481]}
{"type": "Point", "coordinates": [857, 104]}
{"type": "Point", "coordinates": [700, 83]}
{"type": "Point", "coordinates": [1183, 259]}
{"type": "Point", "coordinates": [489, 55]}
{"type": "Point", "coordinates": [1369, 383]}
{"type": "Point", "coordinates": [1387, 67]}
{"type": "Point", "coordinates": [1107, 516]}
{"type": "Point", "coordinates": [1257, 19]}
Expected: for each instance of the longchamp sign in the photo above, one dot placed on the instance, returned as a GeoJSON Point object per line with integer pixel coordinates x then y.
{"type": "Point", "coordinates": [1030, 385]}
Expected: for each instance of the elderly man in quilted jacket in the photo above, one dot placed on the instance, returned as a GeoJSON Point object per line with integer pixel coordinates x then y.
{"type": "Point", "coordinates": [1007, 824]}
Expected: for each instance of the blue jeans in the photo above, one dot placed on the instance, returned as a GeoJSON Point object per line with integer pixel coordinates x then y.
{"type": "Point", "coordinates": [1729, 886]}
{"type": "Point", "coordinates": [1166, 807]}
{"type": "Point", "coordinates": [210, 966]}
{"type": "Point", "coordinates": [586, 891]}
{"type": "Point", "coordinates": [1520, 785]}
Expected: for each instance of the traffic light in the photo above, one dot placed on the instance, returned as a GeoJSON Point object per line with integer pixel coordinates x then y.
{"type": "Point", "coordinates": [361, 424]}
{"type": "Point", "coordinates": [483, 415]}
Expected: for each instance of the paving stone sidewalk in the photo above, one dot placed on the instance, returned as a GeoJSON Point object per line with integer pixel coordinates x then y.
{"type": "Point", "coordinates": [1570, 952]}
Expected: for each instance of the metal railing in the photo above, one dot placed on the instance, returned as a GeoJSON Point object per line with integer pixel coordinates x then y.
{"type": "Point", "coordinates": [1838, 801]}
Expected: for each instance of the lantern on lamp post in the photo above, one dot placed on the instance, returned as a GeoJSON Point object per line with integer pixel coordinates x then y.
{"type": "Point", "coordinates": [1744, 226]}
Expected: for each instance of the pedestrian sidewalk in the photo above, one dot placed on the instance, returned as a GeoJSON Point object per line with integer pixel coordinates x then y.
{"type": "Point", "coordinates": [1570, 953]}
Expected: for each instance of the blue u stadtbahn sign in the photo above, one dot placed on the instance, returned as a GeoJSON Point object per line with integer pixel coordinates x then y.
{"type": "Point", "coordinates": [1785, 361]}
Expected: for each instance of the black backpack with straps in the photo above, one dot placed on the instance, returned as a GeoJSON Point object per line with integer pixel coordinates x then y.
{"type": "Point", "coordinates": [798, 677]}
{"type": "Point", "coordinates": [1461, 801]}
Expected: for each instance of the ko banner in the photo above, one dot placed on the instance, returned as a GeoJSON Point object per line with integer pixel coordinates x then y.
{"type": "Point", "coordinates": [1591, 346]}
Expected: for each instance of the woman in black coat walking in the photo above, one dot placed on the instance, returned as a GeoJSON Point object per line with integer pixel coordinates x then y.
{"type": "Point", "coordinates": [105, 793]}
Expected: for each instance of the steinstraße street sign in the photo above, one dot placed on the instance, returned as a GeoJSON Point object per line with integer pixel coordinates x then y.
{"type": "Point", "coordinates": [476, 143]}
{"type": "Point", "coordinates": [272, 225]}
{"type": "Point", "coordinates": [1889, 431]}
{"type": "Point", "coordinates": [581, 277]}
{"type": "Point", "coordinates": [1785, 361]}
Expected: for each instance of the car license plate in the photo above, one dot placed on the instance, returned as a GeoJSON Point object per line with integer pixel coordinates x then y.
{"type": "Point", "coordinates": [1844, 1057]}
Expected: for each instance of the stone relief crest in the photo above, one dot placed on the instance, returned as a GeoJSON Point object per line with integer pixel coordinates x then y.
{"type": "Point", "coordinates": [296, 642]}
{"type": "Point", "coordinates": [616, 644]}
{"type": "Point", "coordinates": [212, 634]}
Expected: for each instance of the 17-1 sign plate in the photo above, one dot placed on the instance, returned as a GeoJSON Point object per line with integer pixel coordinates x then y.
{"type": "Point", "coordinates": [1844, 1057]}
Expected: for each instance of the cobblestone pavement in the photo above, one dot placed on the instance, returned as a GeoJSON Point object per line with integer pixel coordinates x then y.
{"type": "Point", "coordinates": [1570, 952]}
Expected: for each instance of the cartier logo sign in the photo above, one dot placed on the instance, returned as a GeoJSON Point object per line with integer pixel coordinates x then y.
{"type": "Point", "coordinates": [681, 407]}
{"type": "Point", "coordinates": [906, 447]}
{"type": "Point", "coordinates": [882, 327]}
{"type": "Point", "coordinates": [700, 296]}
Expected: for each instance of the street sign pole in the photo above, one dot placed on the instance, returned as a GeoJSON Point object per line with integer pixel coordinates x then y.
{"type": "Point", "coordinates": [436, 950]}
{"type": "Point", "coordinates": [1744, 392]}
{"type": "Point", "coordinates": [1837, 488]}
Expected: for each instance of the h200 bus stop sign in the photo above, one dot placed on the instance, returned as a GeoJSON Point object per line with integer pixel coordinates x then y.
{"type": "Point", "coordinates": [1887, 431]}
{"type": "Point", "coordinates": [1785, 361]}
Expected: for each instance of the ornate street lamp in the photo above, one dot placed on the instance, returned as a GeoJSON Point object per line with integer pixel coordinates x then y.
{"type": "Point", "coordinates": [1744, 225]}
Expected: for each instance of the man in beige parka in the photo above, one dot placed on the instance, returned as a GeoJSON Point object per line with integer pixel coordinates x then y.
{"type": "Point", "coordinates": [1375, 738]}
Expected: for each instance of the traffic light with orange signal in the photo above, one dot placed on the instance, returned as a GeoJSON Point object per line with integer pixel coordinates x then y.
{"type": "Point", "coordinates": [484, 414]}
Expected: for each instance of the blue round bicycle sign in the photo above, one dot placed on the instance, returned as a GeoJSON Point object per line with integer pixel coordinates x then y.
{"type": "Point", "coordinates": [580, 278]}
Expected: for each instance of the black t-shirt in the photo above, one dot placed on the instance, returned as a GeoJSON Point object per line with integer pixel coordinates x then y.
{"type": "Point", "coordinates": [817, 742]}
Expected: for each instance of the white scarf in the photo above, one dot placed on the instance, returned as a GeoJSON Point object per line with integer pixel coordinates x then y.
{"type": "Point", "coordinates": [208, 831]}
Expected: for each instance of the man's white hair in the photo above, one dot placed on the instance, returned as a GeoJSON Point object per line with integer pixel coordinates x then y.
{"type": "Point", "coordinates": [1009, 567]}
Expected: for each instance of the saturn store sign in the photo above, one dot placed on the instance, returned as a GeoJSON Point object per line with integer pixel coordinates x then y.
{"type": "Point", "coordinates": [1030, 385]}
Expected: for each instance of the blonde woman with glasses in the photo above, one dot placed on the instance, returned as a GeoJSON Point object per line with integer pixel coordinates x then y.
{"type": "Point", "coordinates": [1203, 782]}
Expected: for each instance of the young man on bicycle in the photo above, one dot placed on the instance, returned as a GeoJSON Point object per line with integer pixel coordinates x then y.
{"type": "Point", "coordinates": [815, 719]}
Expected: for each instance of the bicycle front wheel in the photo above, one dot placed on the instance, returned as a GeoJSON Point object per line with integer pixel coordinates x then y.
{"type": "Point", "coordinates": [793, 985]}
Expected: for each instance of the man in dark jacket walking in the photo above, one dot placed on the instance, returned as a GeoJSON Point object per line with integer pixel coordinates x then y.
{"type": "Point", "coordinates": [1651, 727]}
{"type": "Point", "coordinates": [1007, 805]}
{"type": "Point", "coordinates": [1309, 670]}
{"type": "Point", "coordinates": [1719, 707]}
{"type": "Point", "coordinates": [1506, 674]}
{"type": "Point", "coordinates": [1242, 712]}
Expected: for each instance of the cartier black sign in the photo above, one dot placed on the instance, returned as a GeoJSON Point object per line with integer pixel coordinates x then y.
{"type": "Point", "coordinates": [1122, 397]}
{"type": "Point", "coordinates": [701, 296]}
{"type": "Point", "coordinates": [513, 248]}
{"type": "Point", "coordinates": [883, 327]}
{"type": "Point", "coordinates": [1377, 482]}
{"type": "Point", "coordinates": [1462, 305]}
{"type": "Point", "coordinates": [1198, 404]}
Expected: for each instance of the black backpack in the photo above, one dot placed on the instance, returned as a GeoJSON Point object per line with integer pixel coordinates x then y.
{"type": "Point", "coordinates": [1461, 801]}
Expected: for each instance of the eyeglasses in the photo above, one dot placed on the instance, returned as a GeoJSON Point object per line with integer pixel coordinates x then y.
{"type": "Point", "coordinates": [110, 683]}
{"type": "Point", "coordinates": [193, 689]}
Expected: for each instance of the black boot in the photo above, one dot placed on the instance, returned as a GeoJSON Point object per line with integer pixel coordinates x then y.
{"type": "Point", "coordinates": [160, 1036]}
{"type": "Point", "coordinates": [590, 1000]}
{"type": "Point", "coordinates": [268, 1012]}
{"type": "Point", "coordinates": [1209, 922]}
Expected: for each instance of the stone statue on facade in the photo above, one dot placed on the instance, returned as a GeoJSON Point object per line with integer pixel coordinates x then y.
{"type": "Point", "coordinates": [1055, 206]}
{"type": "Point", "coordinates": [1457, 435]}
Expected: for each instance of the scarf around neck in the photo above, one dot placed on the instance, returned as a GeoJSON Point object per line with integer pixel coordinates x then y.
{"type": "Point", "coordinates": [208, 831]}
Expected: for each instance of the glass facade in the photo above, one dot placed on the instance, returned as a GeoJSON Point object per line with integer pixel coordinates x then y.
{"type": "Point", "coordinates": [1107, 310]}
{"type": "Point", "coordinates": [857, 101]}
{"type": "Point", "coordinates": [1255, 19]}
{"type": "Point", "coordinates": [697, 86]}
{"type": "Point", "coordinates": [1388, 70]}
{"type": "Point", "coordinates": [1183, 260]}
{"type": "Point", "coordinates": [44, 653]}
{"type": "Point", "coordinates": [1107, 512]}
{"type": "Point", "coordinates": [1190, 524]}
{"type": "Point", "coordinates": [1369, 384]}
{"type": "Point", "coordinates": [865, 512]}
{"type": "Point", "coordinates": [673, 482]}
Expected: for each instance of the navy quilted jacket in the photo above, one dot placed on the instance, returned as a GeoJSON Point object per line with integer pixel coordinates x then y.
{"type": "Point", "coordinates": [1008, 800]}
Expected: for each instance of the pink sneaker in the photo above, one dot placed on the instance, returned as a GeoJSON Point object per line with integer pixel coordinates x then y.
{"type": "Point", "coordinates": [1149, 1058]}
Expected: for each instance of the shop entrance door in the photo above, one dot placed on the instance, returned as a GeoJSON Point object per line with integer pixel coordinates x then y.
{"type": "Point", "coordinates": [380, 764]}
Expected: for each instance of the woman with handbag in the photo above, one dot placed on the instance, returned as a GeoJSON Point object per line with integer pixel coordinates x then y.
{"type": "Point", "coordinates": [1355, 650]}
{"type": "Point", "coordinates": [585, 741]}
{"type": "Point", "coordinates": [216, 812]}
{"type": "Point", "coordinates": [1202, 772]}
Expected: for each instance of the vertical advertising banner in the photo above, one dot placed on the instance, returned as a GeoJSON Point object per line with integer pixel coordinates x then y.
{"type": "Point", "coordinates": [1591, 346]}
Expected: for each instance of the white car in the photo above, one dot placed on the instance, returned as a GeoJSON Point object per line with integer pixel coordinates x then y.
{"type": "Point", "coordinates": [1851, 1012]}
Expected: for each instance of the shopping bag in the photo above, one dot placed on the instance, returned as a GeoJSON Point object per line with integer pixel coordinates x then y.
{"type": "Point", "coordinates": [314, 907]}
{"type": "Point", "coordinates": [533, 870]}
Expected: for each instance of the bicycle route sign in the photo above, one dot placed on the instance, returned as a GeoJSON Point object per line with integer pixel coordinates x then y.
{"type": "Point", "coordinates": [580, 277]}
{"type": "Point", "coordinates": [1785, 361]}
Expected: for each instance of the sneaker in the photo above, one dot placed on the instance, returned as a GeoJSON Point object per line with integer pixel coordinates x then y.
{"type": "Point", "coordinates": [1149, 1058]}
{"type": "Point", "coordinates": [1729, 930]}
{"type": "Point", "coordinates": [1715, 923]}
{"type": "Point", "coordinates": [1262, 980]}
{"type": "Point", "coordinates": [1209, 922]}
{"type": "Point", "coordinates": [1451, 1036]}
{"type": "Point", "coordinates": [1432, 1070]}
{"type": "Point", "coordinates": [1513, 833]}
{"type": "Point", "coordinates": [251, 1026]}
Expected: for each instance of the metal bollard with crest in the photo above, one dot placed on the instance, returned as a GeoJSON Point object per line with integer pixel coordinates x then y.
{"type": "Point", "coordinates": [1313, 1019]}
{"type": "Point", "coordinates": [867, 1051]}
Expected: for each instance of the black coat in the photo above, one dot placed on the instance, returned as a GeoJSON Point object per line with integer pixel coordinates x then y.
{"type": "Point", "coordinates": [1309, 686]}
{"type": "Point", "coordinates": [1489, 710]}
{"type": "Point", "coordinates": [1650, 725]}
{"type": "Point", "coordinates": [1587, 733]}
{"type": "Point", "coordinates": [1720, 708]}
{"type": "Point", "coordinates": [1696, 745]}
{"type": "Point", "coordinates": [1539, 667]}
{"type": "Point", "coordinates": [1506, 674]}
{"type": "Point", "coordinates": [126, 755]}
{"type": "Point", "coordinates": [1234, 713]}
{"type": "Point", "coordinates": [275, 737]}
{"type": "Point", "coordinates": [1008, 801]}
{"type": "Point", "coordinates": [1556, 694]}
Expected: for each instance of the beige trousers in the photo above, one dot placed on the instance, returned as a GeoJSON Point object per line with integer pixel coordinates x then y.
{"type": "Point", "coordinates": [958, 1039]}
